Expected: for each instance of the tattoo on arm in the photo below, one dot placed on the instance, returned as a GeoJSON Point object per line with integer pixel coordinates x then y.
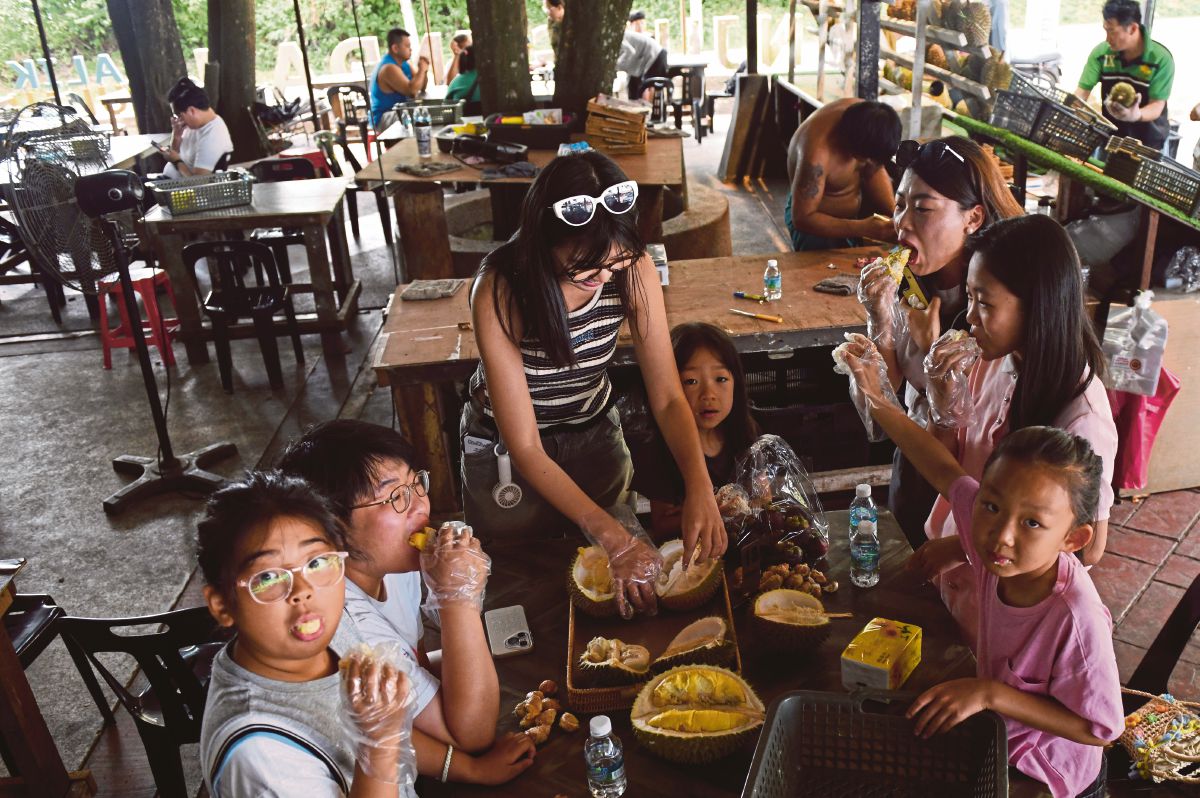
{"type": "Point", "coordinates": [810, 180]}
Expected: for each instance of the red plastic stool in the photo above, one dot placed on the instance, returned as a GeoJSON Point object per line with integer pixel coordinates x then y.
{"type": "Point", "coordinates": [312, 154]}
{"type": "Point", "coordinates": [145, 281]}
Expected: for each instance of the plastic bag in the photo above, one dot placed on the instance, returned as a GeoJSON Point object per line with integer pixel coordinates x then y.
{"type": "Point", "coordinates": [376, 712]}
{"type": "Point", "coordinates": [633, 560]}
{"type": "Point", "coordinates": [1134, 341]}
{"type": "Point", "coordinates": [771, 512]}
{"type": "Point", "coordinates": [947, 366]}
{"type": "Point", "coordinates": [874, 360]}
{"type": "Point", "coordinates": [1183, 272]}
{"type": "Point", "coordinates": [455, 567]}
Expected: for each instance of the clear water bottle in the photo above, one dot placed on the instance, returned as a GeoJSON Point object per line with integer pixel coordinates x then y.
{"type": "Point", "coordinates": [605, 760]}
{"type": "Point", "coordinates": [773, 281]}
{"type": "Point", "coordinates": [423, 128]}
{"type": "Point", "coordinates": [862, 508]}
{"type": "Point", "coordinates": [406, 122]}
{"type": "Point", "coordinates": [864, 554]}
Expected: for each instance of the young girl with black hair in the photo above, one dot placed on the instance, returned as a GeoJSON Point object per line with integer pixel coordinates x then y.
{"type": "Point", "coordinates": [547, 306]}
{"type": "Point", "coordinates": [715, 387]}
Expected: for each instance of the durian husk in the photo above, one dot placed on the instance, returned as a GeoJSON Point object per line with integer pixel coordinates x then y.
{"type": "Point", "coordinates": [696, 714]}
{"type": "Point", "coordinates": [599, 604]}
{"type": "Point", "coordinates": [1123, 93]}
{"type": "Point", "coordinates": [996, 73]}
{"type": "Point", "coordinates": [684, 590]}
{"type": "Point", "coordinates": [936, 56]}
{"type": "Point", "coordinates": [953, 15]}
{"type": "Point", "coordinates": [789, 620]}
{"type": "Point", "coordinates": [702, 642]}
{"type": "Point", "coordinates": [611, 662]}
{"type": "Point", "coordinates": [977, 24]}
{"type": "Point", "coordinates": [961, 108]}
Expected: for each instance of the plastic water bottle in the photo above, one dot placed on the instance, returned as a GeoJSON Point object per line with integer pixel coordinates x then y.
{"type": "Point", "coordinates": [406, 122]}
{"type": "Point", "coordinates": [864, 554]}
{"type": "Point", "coordinates": [862, 508]}
{"type": "Point", "coordinates": [605, 760]}
{"type": "Point", "coordinates": [423, 127]}
{"type": "Point", "coordinates": [773, 281]}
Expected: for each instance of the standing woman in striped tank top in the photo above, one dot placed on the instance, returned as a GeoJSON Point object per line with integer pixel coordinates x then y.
{"type": "Point", "coordinates": [547, 306]}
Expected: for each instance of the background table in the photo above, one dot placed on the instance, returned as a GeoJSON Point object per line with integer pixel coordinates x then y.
{"type": "Point", "coordinates": [314, 206]}
{"type": "Point", "coordinates": [421, 210]}
{"type": "Point", "coordinates": [428, 345]}
{"type": "Point", "coordinates": [534, 576]}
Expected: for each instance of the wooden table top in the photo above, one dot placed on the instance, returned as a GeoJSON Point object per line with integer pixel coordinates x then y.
{"type": "Point", "coordinates": [533, 576]}
{"type": "Point", "coordinates": [424, 337]}
{"type": "Point", "coordinates": [124, 150]}
{"type": "Point", "coordinates": [295, 203]}
{"type": "Point", "coordinates": [661, 165]}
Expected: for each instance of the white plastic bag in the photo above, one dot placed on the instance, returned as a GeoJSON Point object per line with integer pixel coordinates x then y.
{"type": "Point", "coordinates": [1134, 341]}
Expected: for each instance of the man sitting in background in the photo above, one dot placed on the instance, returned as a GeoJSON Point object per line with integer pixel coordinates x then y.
{"type": "Point", "coordinates": [394, 80]}
{"type": "Point", "coordinates": [836, 166]}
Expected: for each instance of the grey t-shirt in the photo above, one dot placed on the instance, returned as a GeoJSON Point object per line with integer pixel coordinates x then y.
{"type": "Point", "coordinates": [295, 746]}
{"type": "Point", "coordinates": [638, 52]}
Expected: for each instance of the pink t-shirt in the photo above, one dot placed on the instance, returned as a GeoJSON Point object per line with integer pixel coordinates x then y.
{"type": "Point", "coordinates": [992, 383]}
{"type": "Point", "coordinates": [1060, 648]}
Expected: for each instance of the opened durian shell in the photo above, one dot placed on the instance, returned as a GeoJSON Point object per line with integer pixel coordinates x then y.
{"type": "Point", "coordinates": [589, 583]}
{"type": "Point", "coordinates": [790, 620]}
{"type": "Point", "coordinates": [696, 714]}
{"type": "Point", "coordinates": [678, 589]}
{"type": "Point", "coordinates": [702, 642]}
{"type": "Point", "coordinates": [610, 662]}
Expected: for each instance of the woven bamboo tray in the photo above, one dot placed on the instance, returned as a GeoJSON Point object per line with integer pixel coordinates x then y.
{"type": "Point", "coordinates": [652, 632]}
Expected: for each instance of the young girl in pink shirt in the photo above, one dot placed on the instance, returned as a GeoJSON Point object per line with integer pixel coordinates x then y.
{"type": "Point", "coordinates": [1045, 653]}
{"type": "Point", "coordinates": [1039, 364]}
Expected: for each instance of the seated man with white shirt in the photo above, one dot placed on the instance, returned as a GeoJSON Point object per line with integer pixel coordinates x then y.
{"type": "Point", "coordinates": [199, 137]}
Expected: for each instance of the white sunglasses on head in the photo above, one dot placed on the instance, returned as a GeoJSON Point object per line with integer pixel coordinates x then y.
{"type": "Point", "coordinates": [579, 209]}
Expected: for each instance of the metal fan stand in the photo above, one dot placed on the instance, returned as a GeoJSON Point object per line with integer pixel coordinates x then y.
{"type": "Point", "coordinates": [168, 472]}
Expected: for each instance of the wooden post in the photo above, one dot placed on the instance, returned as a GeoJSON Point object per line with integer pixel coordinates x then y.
{"type": "Point", "coordinates": [918, 71]}
{"type": "Point", "coordinates": [792, 41]}
{"type": "Point", "coordinates": [751, 37]}
{"type": "Point", "coordinates": [868, 50]}
{"type": "Point", "coordinates": [419, 412]}
{"type": "Point", "coordinates": [424, 235]}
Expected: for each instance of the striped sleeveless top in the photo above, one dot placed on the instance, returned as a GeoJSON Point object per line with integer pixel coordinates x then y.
{"type": "Point", "coordinates": [570, 394]}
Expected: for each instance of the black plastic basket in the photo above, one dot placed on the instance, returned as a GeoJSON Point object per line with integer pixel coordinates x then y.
{"type": "Point", "coordinates": [1050, 124]}
{"type": "Point", "coordinates": [827, 744]}
{"type": "Point", "coordinates": [1149, 171]}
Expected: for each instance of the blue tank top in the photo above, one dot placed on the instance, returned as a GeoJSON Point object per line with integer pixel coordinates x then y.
{"type": "Point", "coordinates": [382, 101]}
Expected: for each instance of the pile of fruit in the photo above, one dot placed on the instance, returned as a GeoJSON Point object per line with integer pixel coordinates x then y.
{"type": "Point", "coordinates": [537, 713]}
{"type": "Point", "coordinates": [608, 662]}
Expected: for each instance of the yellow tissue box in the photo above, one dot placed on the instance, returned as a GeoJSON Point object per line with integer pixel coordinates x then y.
{"type": "Point", "coordinates": [882, 655]}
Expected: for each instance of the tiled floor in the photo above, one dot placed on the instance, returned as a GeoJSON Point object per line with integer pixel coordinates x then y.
{"type": "Point", "coordinates": [1153, 554]}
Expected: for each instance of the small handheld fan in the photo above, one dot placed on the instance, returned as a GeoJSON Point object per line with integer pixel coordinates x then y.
{"type": "Point", "coordinates": [507, 493]}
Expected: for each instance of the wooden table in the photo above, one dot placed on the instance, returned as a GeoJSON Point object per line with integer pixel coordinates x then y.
{"type": "Point", "coordinates": [111, 101]}
{"type": "Point", "coordinates": [24, 729]}
{"type": "Point", "coordinates": [314, 206]}
{"type": "Point", "coordinates": [127, 152]}
{"type": "Point", "coordinates": [534, 577]}
{"type": "Point", "coordinates": [421, 211]}
{"type": "Point", "coordinates": [428, 345]}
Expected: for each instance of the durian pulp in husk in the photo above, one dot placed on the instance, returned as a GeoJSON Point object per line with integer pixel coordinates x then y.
{"type": "Point", "coordinates": [702, 642]}
{"type": "Point", "coordinates": [591, 584]}
{"type": "Point", "coordinates": [790, 619]}
{"type": "Point", "coordinates": [608, 662]}
{"type": "Point", "coordinates": [696, 714]}
{"type": "Point", "coordinates": [678, 589]}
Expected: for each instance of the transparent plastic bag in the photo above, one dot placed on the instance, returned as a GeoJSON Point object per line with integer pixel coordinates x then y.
{"type": "Point", "coordinates": [455, 568]}
{"type": "Point", "coordinates": [633, 560]}
{"type": "Point", "coordinates": [871, 358]}
{"type": "Point", "coordinates": [376, 699]}
{"type": "Point", "coordinates": [947, 367]}
{"type": "Point", "coordinates": [887, 322]}
{"type": "Point", "coordinates": [1135, 339]}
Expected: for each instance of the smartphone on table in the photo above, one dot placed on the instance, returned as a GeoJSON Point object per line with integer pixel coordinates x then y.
{"type": "Point", "coordinates": [508, 631]}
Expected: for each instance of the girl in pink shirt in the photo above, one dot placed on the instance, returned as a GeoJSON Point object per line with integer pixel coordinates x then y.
{"type": "Point", "coordinates": [1038, 365]}
{"type": "Point", "coordinates": [1045, 653]}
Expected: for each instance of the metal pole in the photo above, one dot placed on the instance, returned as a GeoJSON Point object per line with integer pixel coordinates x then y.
{"type": "Point", "coordinates": [751, 37]}
{"type": "Point", "coordinates": [1148, 17]}
{"type": "Point", "coordinates": [868, 49]}
{"type": "Point", "coordinates": [792, 42]}
{"type": "Point", "coordinates": [37, 15]}
{"type": "Point", "coordinates": [318, 119]}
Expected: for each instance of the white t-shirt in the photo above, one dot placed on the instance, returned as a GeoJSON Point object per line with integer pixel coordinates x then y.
{"type": "Point", "coordinates": [395, 619]}
{"type": "Point", "coordinates": [203, 147]}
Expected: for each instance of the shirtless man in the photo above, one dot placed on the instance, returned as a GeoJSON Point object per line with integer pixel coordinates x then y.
{"type": "Point", "coordinates": [835, 163]}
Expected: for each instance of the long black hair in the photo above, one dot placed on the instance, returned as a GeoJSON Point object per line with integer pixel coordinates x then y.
{"type": "Point", "coordinates": [739, 427]}
{"type": "Point", "coordinates": [524, 268]}
{"type": "Point", "coordinates": [1081, 469]}
{"type": "Point", "coordinates": [1033, 257]}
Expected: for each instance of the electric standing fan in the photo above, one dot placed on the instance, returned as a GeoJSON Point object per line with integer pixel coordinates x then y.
{"type": "Point", "coordinates": [77, 220]}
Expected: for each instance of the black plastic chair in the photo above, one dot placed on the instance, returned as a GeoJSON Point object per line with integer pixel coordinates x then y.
{"type": "Point", "coordinates": [356, 113]}
{"type": "Point", "coordinates": [325, 141]}
{"type": "Point", "coordinates": [233, 297]}
{"type": "Point", "coordinates": [80, 105]}
{"type": "Point", "coordinates": [176, 662]}
{"type": "Point", "coordinates": [661, 104]}
{"type": "Point", "coordinates": [278, 170]}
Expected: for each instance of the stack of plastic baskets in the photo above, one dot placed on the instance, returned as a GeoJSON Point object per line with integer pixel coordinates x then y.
{"type": "Point", "coordinates": [1151, 172]}
{"type": "Point", "coordinates": [1048, 123]}
{"type": "Point", "coordinates": [829, 745]}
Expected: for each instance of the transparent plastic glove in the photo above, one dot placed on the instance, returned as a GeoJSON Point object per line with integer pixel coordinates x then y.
{"type": "Point", "coordinates": [946, 368]}
{"type": "Point", "coordinates": [633, 559]}
{"type": "Point", "coordinates": [376, 716]}
{"type": "Point", "coordinates": [455, 567]}
{"type": "Point", "coordinates": [860, 359]}
{"type": "Point", "coordinates": [878, 295]}
{"type": "Point", "coordinates": [1125, 113]}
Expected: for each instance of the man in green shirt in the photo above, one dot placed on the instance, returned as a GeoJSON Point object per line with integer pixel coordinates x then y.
{"type": "Point", "coordinates": [1128, 55]}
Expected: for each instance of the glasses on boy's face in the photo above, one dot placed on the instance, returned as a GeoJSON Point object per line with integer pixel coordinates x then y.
{"type": "Point", "coordinates": [401, 496]}
{"type": "Point", "coordinates": [275, 584]}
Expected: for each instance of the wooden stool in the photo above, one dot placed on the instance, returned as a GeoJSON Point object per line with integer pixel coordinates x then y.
{"type": "Point", "coordinates": [159, 331]}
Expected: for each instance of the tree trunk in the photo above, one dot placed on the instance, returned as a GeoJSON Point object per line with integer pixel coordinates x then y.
{"type": "Point", "coordinates": [231, 46]}
{"type": "Point", "coordinates": [149, 42]}
{"type": "Point", "coordinates": [587, 52]}
{"type": "Point", "coordinates": [501, 57]}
